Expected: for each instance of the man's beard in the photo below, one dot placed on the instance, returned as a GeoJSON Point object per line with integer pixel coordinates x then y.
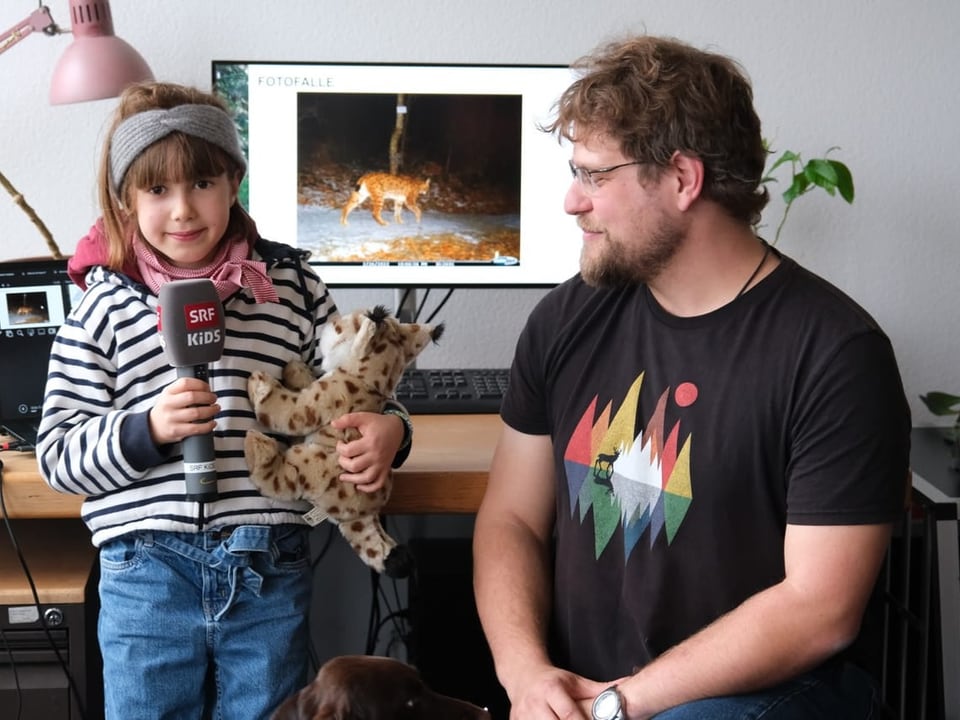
{"type": "Point", "coordinates": [636, 262]}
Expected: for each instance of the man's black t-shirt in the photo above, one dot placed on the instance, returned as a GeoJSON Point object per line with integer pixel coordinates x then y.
{"type": "Point", "coordinates": [684, 446]}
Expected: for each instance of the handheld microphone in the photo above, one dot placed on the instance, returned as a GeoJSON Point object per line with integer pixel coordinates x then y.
{"type": "Point", "coordinates": [192, 331]}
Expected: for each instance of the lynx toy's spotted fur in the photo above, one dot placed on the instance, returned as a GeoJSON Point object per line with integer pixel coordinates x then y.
{"type": "Point", "coordinates": [364, 355]}
{"type": "Point", "coordinates": [380, 187]}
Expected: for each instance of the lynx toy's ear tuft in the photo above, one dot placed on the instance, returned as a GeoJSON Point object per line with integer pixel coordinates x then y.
{"type": "Point", "coordinates": [378, 314]}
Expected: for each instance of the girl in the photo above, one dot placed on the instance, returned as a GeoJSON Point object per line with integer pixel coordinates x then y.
{"type": "Point", "coordinates": [200, 602]}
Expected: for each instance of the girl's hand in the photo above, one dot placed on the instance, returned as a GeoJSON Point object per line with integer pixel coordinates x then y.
{"type": "Point", "coordinates": [366, 461]}
{"type": "Point", "coordinates": [186, 406]}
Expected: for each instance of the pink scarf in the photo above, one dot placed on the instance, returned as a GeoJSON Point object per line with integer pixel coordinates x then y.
{"type": "Point", "coordinates": [229, 270]}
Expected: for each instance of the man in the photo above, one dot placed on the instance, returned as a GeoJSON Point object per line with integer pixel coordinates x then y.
{"type": "Point", "coordinates": [705, 445]}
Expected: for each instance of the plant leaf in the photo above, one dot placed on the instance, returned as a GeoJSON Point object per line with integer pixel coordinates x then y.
{"type": "Point", "coordinates": [941, 403]}
{"type": "Point", "coordinates": [844, 180]}
{"type": "Point", "coordinates": [821, 173]}
{"type": "Point", "coordinates": [787, 156]}
{"type": "Point", "coordinates": [800, 184]}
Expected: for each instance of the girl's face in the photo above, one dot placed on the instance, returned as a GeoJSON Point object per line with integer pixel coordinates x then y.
{"type": "Point", "coordinates": [184, 221]}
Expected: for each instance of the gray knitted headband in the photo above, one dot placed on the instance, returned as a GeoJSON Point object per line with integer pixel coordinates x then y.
{"type": "Point", "coordinates": [140, 131]}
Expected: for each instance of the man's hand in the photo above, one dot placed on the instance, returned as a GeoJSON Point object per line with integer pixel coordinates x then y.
{"type": "Point", "coordinates": [552, 693]}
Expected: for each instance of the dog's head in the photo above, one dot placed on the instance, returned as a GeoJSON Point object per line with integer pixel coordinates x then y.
{"type": "Point", "coordinates": [364, 687]}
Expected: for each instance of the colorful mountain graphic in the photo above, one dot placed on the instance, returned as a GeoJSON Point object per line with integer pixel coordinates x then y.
{"type": "Point", "coordinates": [638, 482]}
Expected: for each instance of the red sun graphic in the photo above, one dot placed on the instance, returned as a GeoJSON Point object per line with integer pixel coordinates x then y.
{"type": "Point", "coordinates": [686, 394]}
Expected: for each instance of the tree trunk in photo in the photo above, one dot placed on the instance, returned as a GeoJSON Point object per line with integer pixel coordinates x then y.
{"type": "Point", "coordinates": [396, 138]}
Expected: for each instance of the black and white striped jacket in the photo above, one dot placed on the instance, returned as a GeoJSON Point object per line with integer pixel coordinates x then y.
{"type": "Point", "coordinates": [107, 368]}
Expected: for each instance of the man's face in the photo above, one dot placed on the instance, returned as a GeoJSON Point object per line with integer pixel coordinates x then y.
{"type": "Point", "coordinates": [630, 227]}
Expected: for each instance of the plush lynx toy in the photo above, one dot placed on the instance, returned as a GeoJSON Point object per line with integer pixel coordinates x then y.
{"type": "Point", "coordinates": [364, 355]}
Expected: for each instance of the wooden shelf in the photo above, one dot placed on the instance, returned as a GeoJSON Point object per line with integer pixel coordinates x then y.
{"type": "Point", "coordinates": [59, 556]}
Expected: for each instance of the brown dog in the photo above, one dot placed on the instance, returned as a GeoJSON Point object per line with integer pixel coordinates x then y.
{"type": "Point", "coordinates": [355, 687]}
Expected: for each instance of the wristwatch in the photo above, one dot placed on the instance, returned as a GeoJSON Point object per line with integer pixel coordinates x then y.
{"type": "Point", "coordinates": [608, 705]}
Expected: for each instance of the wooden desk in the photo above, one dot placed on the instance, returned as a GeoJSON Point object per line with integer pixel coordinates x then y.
{"type": "Point", "coordinates": [445, 473]}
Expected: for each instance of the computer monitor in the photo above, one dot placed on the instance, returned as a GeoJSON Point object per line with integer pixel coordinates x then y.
{"type": "Point", "coordinates": [491, 214]}
{"type": "Point", "coordinates": [35, 298]}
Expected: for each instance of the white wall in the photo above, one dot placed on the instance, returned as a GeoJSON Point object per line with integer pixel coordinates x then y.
{"type": "Point", "coordinates": [876, 77]}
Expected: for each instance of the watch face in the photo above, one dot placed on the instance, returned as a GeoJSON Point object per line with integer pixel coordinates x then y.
{"type": "Point", "coordinates": [607, 705]}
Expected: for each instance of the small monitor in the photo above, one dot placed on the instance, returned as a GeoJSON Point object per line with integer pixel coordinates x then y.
{"type": "Point", "coordinates": [413, 175]}
{"type": "Point", "coordinates": [35, 298]}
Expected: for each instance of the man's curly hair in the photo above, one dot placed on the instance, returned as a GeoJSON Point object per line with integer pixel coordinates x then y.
{"type": "Point", "coordinates": [657, 96]}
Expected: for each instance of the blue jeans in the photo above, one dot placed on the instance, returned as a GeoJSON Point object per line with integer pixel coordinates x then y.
{"type": "Point", "coordinates": [833, 692]}
{"type": "Point", "coordinates": [211, 625]}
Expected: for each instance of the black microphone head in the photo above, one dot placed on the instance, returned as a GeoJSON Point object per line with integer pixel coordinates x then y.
{"type": "Point", "coordinates": [191, 322]}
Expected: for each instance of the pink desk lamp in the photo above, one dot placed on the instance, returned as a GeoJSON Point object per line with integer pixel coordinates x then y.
{"type": "Point", "coordinates": [96, 65]}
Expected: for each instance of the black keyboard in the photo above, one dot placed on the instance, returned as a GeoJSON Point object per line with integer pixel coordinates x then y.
{"type": "Point", "coordinates": [451, 391]}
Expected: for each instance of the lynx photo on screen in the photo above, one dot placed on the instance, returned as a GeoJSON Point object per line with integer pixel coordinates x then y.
{"type": "Point", "coordinates": [409, 178]}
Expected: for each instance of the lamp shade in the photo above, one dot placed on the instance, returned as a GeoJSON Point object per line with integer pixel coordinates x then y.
{"type": "Point", "coordinates": [97, 64]}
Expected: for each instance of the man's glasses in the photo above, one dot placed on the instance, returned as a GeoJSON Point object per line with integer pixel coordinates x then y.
{"type": "Point", "coordinates": [585, 177]}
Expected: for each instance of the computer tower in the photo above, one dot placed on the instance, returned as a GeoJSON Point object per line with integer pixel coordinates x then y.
{"type": "Point", "coordinates": [446, 641]}
{"type": "Point", "coordinates": [50, 664]}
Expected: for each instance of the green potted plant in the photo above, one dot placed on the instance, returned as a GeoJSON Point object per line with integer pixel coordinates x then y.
{"type": "Point", "coordinates": [945, 404]}
{"type": "Point", "coordinates": [831, 175]}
